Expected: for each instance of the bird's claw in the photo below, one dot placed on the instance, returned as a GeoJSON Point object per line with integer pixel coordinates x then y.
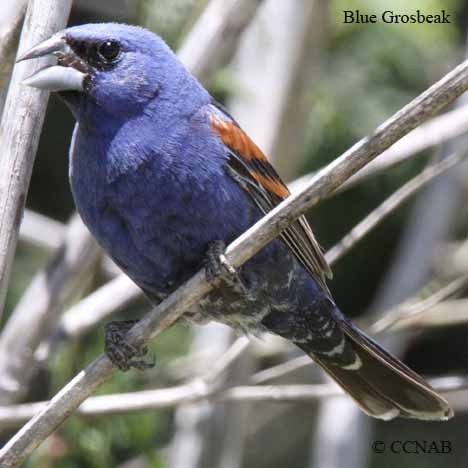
{"type": "Point", "coordinates": [122, 353]}
{"type": "Point", "coordinates": [218, 268]}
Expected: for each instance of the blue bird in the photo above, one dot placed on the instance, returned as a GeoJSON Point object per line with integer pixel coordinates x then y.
{"type": "Point", "coordinates": [164, 178]}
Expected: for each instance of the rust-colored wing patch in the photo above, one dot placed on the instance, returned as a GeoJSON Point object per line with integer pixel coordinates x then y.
{"type": "Point", "coordinates": [237, 140]}
{"type": "Point", "coordinates": [234, 137]}
{"type": "Point", "coordinates": [252, 170]}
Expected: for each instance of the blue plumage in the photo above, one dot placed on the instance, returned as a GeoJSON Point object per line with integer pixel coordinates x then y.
{"type": "Point", "coordinates": [160, 172]}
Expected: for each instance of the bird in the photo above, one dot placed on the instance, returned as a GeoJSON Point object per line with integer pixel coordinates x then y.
{"type": "Point", "coordinates": [164, 178]}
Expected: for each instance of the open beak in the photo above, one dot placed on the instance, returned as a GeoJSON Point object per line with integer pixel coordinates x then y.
{"type": "Point", "coordinates": [65, 76]}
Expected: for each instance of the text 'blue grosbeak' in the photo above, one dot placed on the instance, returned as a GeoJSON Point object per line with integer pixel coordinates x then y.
{"type": "Point", "coordinates": [164, 177]}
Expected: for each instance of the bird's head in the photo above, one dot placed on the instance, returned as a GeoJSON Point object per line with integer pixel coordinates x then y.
{"type": "Point", "coordinates": [113, 67]}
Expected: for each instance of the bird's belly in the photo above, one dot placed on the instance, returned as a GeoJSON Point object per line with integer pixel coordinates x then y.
{"type": "Point", "coordinates": [154, 261]}
{"type": "Point", "coordinates": [154, 268]}
{"type": "Point", "coordinates": [172, 232]}
{"type": "Point", "coordinates": [158, 249]}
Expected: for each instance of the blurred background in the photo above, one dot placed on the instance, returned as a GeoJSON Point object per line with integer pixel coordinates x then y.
{"type": "Point", "coordinates": [306, 87]}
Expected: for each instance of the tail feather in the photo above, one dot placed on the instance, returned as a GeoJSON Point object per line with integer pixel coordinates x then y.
{"type": "Point", "coordinates": [382, 385]}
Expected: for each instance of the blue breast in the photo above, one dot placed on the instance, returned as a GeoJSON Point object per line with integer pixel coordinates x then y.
{"type": "Point", "coordinates": [156, 208]}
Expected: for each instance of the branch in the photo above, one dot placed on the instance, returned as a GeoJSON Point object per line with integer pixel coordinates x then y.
{"type": "Point", "coordinates": [88, 380]}
{"type": "Point", "coordinates": [20, 129]}
{"type": "Point", "coordinates": [172, 397]}
{"type": "Point", "coordinates": [444, 314]}
{"type": "Point", "coordinates": [429, 311]}
{"type": "Point", "coordinates": [280, 370]}
{"type": "Point", "coordinates": [41, 231]}
{"type": "Point", "coordinates": [199, 390]}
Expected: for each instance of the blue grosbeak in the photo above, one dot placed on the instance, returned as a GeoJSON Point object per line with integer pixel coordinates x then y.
{"type": "Point", "coordinates": [164, 177]}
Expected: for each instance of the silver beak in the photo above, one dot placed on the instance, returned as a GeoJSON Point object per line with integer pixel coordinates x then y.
{"type": "Point", "coordinates": [53, 45]}
{"type": "Point", "coordinates": [54, 77]}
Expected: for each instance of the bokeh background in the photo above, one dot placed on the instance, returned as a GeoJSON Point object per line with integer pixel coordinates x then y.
{"type": "Point", "coordinates": [306, 87]}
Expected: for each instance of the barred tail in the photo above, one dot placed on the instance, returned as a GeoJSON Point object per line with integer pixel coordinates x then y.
{"type": "Point", "coordinates": [382, 385]}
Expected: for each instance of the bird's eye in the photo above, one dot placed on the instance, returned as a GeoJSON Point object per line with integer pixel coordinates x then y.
{"type": "Point", "coordinates": [109, 50]}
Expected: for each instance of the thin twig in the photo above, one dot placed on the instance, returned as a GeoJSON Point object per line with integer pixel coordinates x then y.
{"type": "Point", "coordinates": [280, 370]}
{"type": "Point", "coordinates": [171, 397]}
{"type": "Point", "coordinates": [41, 231]}
{"type": "Point", "coordinates": [227, 359]}
{"type": "Point", "coordinates": [430, 311]}
{"type": "Point", "coordinates": [401, 195]}
{"type": "Point", "coordinates": [414, 309]}
{"type": "Point", "coordinates": [199, 390]}
{"type": "Point", "coordinates": [87, 381]}
{"type": "Point", "coordinates": [443, 314]}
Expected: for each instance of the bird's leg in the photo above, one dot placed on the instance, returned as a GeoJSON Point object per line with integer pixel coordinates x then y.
{"type": "Point", "coordinates": [122, 353]}
{"type": "Point", "coordinates": [217, 267]}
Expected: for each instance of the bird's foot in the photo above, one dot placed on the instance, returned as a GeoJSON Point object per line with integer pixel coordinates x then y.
{"type": "Point", "coordinates": [218, 268]}
{"type": "Point", "coordinates": [122, 353]}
